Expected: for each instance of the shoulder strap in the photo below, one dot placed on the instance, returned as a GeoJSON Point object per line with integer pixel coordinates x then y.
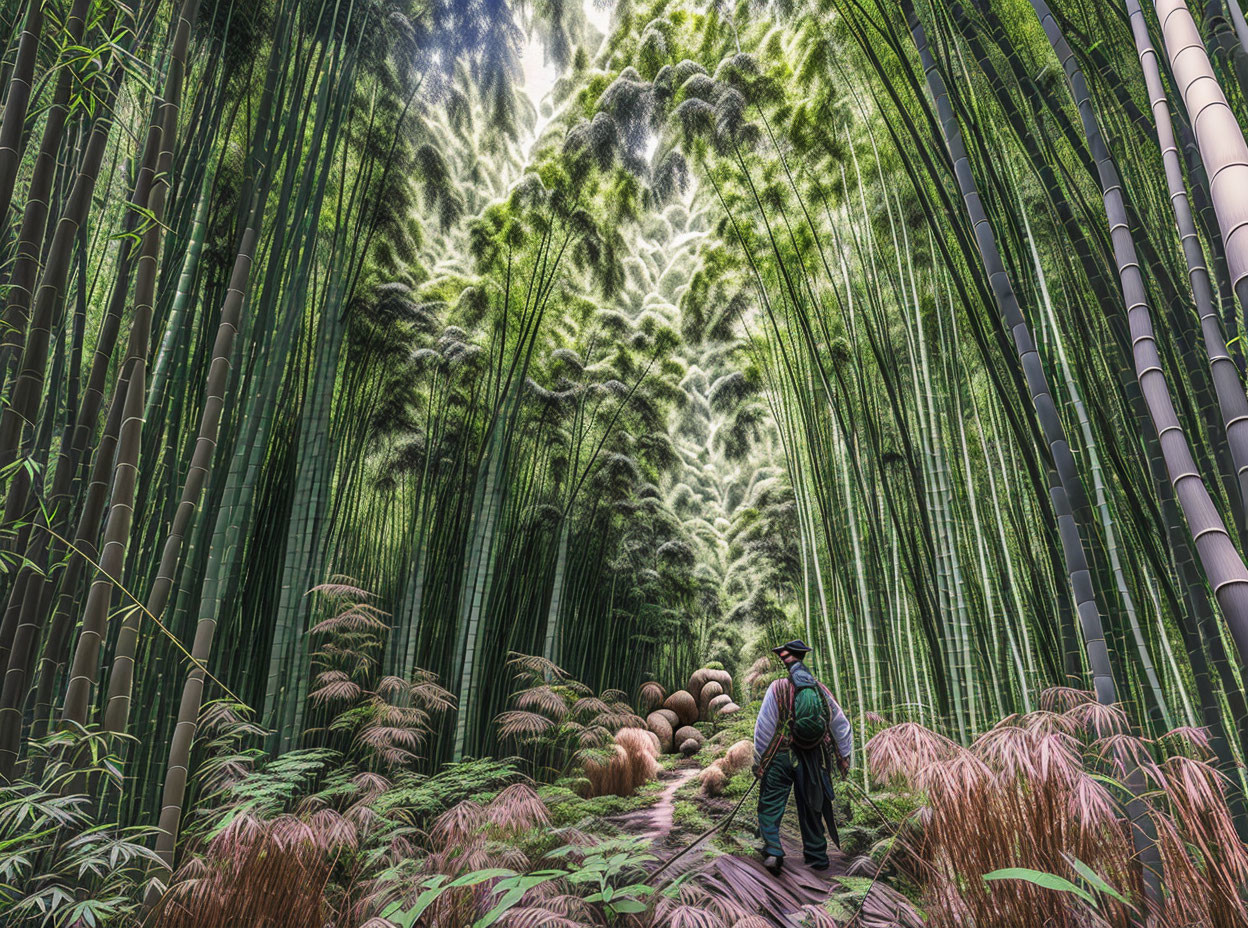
{"type": "Point", "coordinates": [785, 695]}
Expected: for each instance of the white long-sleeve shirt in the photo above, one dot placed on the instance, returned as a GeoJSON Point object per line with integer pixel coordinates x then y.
{"type": "Point", "coordinates": [769, 718]}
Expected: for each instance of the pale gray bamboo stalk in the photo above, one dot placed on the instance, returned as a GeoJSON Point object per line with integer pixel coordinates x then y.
{"type": "Point", "coordinates": [1098, 483]}
{"type": "Point", "coordinates": [1222, 563]}
{"type": "Point", "coordinates": [1218, 134]}
{"type": "Point", "coordinates": [1232, 403]}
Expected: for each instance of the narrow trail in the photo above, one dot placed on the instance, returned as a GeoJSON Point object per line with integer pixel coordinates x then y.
{"type": "Point", "coordinates": [655, 822]}
{"type": "Point", "coordinates": [744, 880]}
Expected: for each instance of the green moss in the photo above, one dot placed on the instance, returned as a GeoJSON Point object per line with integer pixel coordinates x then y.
{"type": "Point", "coordinates": [885, 809]}
{"type": "Point", "coordinates": [689, 816]}
{"type": "Point", "coordinates": [737, 784]}
{"type": "Point", "coordinates": [740, 725]}
{"type": "Point", "coordinates": [569, 807]}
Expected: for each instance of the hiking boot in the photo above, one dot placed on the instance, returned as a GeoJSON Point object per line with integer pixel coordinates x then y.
{"type": "Point", "coordinates": [822, 865]}
{"type": "Point", "coordinates": [773, 864]}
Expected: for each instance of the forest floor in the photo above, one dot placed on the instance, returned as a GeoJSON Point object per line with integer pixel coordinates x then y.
{"type": "Point", "coordinates": [728, 863]}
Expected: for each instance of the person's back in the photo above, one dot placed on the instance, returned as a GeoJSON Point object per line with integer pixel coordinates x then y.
{"type": "Point", "coordinates": [800, 733]}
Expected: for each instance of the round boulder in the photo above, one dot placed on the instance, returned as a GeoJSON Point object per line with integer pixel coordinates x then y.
{"type": "Point", "coordinates": [722, 677]}
{"type": "Point", "coordinates": [710, 690]}
{"type": "Point", "coordinates": [662, 730]}
{"type": "Point", "coordinates": [651, 696]}
{"type": "Point", "coordinates": [690, 747]}
{"type": "Point", "coordinates": [718, 703]}
{"type": "Point", "coordinates": [672, 718]}
{"type": "Point", "coordinates": [687, 733]}
{"type": "Point", "coordinates": [684, 705]}
{"type": "Point", "coordinates": [697, 680]}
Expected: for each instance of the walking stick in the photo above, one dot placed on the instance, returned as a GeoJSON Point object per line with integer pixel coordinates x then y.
{"type": "Point", "coordinates": [875, 878]}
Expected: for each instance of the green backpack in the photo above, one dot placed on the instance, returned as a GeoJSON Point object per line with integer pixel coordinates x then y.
{"type": "Point", "coordinates": [808, 716]}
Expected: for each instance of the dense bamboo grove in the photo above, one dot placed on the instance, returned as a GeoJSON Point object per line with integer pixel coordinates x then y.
{"type": "Point", "coordinates": [338, 362]}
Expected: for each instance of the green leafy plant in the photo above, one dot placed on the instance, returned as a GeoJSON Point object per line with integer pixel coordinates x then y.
{"type": "Point", "coordinates": [60, 865]}
{"type": "Point", "coordinates": [610, 872]}
{"type": "Point", "coordinates": [560, 720]}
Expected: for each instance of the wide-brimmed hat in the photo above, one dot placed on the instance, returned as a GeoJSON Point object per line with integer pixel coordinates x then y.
{"type": "Point", "coordinates": [796, 646]}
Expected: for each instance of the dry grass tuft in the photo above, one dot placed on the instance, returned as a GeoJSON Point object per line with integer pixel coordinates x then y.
{"type": "Point", "coordinates": [656, 746]}
{"type": "Point", "coordinates": [256, 872]}
{"type": "Point", "coordinates": [633, 762]}
{"type": "Point", "coordinates": [714, 780]}
{"type": "Point", "coordinates": [715, 777]}
{"type": "Point", "coordinates": [739, 756]}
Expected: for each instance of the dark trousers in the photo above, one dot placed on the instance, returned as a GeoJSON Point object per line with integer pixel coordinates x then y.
{"type": "Point", "coordinates": [783, 776]}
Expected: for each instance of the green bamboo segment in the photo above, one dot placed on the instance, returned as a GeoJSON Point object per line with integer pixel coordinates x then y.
{"type": "Point", "coordinates": [38, 207]}
{"type": "Point", "coordinates": [16, 101]}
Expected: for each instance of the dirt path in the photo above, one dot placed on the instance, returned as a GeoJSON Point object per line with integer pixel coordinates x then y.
{"type": "Point", "coordinates": [655, 822]}
{"type": "Point", "coordinates": [744, 880]}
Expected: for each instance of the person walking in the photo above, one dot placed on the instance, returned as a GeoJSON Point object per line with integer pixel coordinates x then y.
{"type": "Point", "coordinates": [800, 735]}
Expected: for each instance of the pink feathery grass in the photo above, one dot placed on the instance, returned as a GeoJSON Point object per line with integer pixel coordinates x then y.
{"type": "Point", "coordinates": [517, 808]}
{"type": "Point", "coordinates": [1061, 698]}
{"type": "Point", "coordinates": [271, 873]}
{"type": "Point", "coordinates": [903, 753]}
{"type": "Point", "coordinates": [544, 699]}
{"type": "Point", "coordinates": [1044, 790]}
{"type": "Point", "coordinates": [1193, 742]}
{"type": "Point", "coordinates": [1098, 719]}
